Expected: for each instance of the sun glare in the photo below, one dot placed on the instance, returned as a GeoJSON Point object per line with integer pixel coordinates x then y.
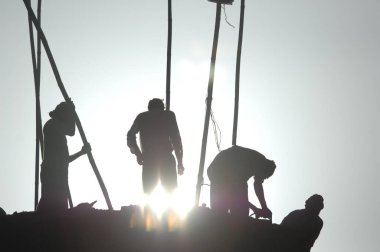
{"type": "Point", "coordinates": [161, 201]}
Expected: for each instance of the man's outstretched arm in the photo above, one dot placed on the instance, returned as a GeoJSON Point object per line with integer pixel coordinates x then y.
{"type": "Point", "coordinates": [85, 149]}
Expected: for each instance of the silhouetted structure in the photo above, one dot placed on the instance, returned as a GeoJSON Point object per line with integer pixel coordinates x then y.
{"type": "Point", "coordinates": [92, 230]}
{"type": "Point", "coordinates": [229, 173]}
{"type": "Point", "coordinates": [222, 1]}
{"type": "Point", "coordinates": [306, 223]}
{"type": "Point", "coordinates": [54, 168]}
{"type": "Point", "coordinates": [159, 134]}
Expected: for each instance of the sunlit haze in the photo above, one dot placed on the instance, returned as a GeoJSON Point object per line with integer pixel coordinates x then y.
{"type": "Point", "coordinates": [309, 100]}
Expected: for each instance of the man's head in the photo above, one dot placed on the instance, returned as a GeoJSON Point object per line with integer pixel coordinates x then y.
{"type": "Point", "coordinates": [65, 114]}
{"type": "Point", "coordinates": [156, 103]}
{"type": "Point", "coordinates": [266, 171]}
{"type": "Point", "coordinates": [314, 204]}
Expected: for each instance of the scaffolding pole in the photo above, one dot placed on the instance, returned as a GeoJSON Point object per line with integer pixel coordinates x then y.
{"type": "Point", "coordinates": [67, 99]}
{"type": "Point", "coordinates": [208, 105]}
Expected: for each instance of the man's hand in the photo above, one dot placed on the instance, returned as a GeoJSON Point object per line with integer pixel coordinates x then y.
{"type": "Point", "coordinates": [181, 169]}
{"type": "Point", "coordinates": [139, 159]}
{"type": "Point", "coordinates": [70, 105]}
{"type": "Point", "coordinates": [265, 213]}
{"type": "Point", "coordinates": [86, 148]}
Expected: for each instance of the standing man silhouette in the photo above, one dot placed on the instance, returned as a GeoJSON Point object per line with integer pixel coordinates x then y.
{"type": "Point", "coordinates": [159, 135]}
{"type": "Point", "coordinates": [54, 167]}
{"type": "Point", "coordinates": [229, 173]}
{"type": "Point", "coordinates": [306, 222]}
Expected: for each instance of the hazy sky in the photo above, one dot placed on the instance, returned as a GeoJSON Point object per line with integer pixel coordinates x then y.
{"type": "Point", "coordinates": [309, 99]}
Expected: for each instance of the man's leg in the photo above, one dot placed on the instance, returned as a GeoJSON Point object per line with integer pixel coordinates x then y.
{"type": "Point", "coordinates": [150, 175]}
{"type": "Point", "coordinates": [150, 178]}
{"type": "Point", "coordinates": [219, 198]}
{"type": "Point", "coordinates": [239, 201]}
{"type": "Point", "coordinates": [168, 172]}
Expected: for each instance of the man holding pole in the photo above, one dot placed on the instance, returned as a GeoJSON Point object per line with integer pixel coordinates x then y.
{"type": "Point", "coordinates": [54, 168]}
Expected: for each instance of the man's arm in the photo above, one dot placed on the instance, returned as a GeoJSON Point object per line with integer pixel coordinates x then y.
{"type": "Point", "coordinates": [259, 190]}
{"type": "Point", "coordinates": [85, 149]}
{"type": "Point", "coordinates": [131, 141]}
{"type": "Point", "coordinates": [176, 141]}
{"type": "Point", "coordinates": [179, 155]}
{"type": "Point", "coordinates": [316, 233]}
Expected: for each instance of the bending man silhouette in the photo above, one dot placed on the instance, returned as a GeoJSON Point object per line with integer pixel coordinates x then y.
{"type": "Point", "coordinates": [54, 167]}
{"type": "Point", "coordinates": [306, 222]}
{"type": "Point", "coordinates": [159, 134]}
{"type": "Point", "coordinates": [229, 173]}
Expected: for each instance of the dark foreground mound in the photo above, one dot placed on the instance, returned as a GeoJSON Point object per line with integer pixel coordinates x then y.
{"type": "Point", "coordinates": [103, 230]}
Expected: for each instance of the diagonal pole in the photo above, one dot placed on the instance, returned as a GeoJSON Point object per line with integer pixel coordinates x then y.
{"type": "Point", "coordinates": [169, 55]}
{"type": "Point", "coordinates": [208, 105]}
{"type": "Point", "coordinates": [67, 99]}
{"type": "Point", "coordinates": [237, 76]}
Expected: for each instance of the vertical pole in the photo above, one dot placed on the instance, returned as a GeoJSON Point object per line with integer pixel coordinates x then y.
{"type": "Point", "coordinates": [208, 104]}
{"type": "Point", "coordinates": [38, 102]}
{"type": "Point", "coordinates": [169, 55]}
{"type": "Point", "coordinates": [37, 73]}
{"type": "Point", "coordinates": [67, 99]}
{"type": "Point", "coordinates": [237, 76]}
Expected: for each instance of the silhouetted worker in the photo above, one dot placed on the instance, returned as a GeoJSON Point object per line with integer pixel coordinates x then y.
{"type": "Point", "coordinates": [54, 167]}
{"type": "Point", "coordinates": [229, 173]}
{"type": "Point", "coordinates": [306, 222]}
{"type": "Point", "coordinates": [159, 134]}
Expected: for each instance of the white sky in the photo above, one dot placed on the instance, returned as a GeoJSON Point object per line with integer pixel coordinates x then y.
{"type": "Point", "coordinates": [309, 99]}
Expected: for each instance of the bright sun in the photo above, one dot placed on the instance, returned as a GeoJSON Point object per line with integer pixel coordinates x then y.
{"type": "Point", "coordinates": [160, 201]}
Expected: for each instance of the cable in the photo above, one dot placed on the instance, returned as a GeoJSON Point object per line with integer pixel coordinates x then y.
{"type": "Point", "coordinates": [217, 131]}
{"type": "Point", "coordinates": [225, 16]}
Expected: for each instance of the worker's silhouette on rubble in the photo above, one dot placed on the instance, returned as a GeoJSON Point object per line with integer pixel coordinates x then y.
{"type": "Point", "coordinates": [306, 222]}
{"type": "Point", "coordinates": [54, 167]}
{"type": "Point", "coordinates": [229, 173]}
{"type": "Point", "coordinates": [159, 134]}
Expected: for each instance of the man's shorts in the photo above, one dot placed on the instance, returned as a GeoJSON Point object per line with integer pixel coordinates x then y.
{"type": "Point", "coordinates": [226, 197]}
{"type": "Point", "coordinates": [159, 168]}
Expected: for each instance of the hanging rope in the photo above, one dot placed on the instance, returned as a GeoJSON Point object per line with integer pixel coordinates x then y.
{"type": "Point", "coordinates": [225, 16]}
{"type": "Point", "coordinates": [67, 99]}
{"type": "Point", "coordinates": [217, 131]}
{"type": "Point", "coordinates": [208, 106]}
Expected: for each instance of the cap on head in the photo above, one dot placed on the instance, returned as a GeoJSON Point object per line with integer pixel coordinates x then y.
{"type": "Point", "coordinates": [156, 103]}
{"type": "Point", "coordinates": [63, 112]}
{"type": "Point", "coordinates": [314, 202]}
